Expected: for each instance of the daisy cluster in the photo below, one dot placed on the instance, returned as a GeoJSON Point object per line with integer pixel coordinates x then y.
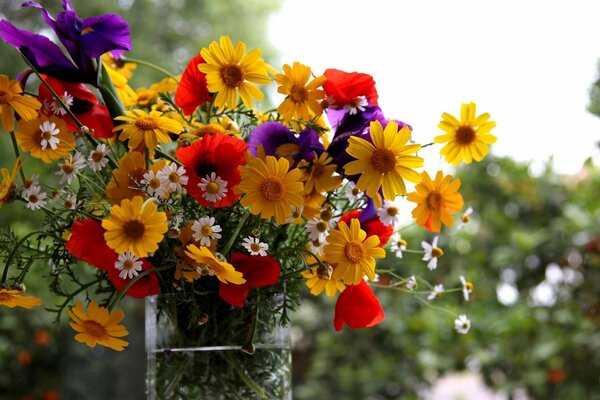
{"type": "Point", "coordinates": [185, 184]}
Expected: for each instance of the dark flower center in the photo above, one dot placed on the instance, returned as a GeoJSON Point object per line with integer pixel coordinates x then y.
{"type": "Point", "coordinates": [354, 251]}
{"type": "Point", "coordinates": [465, 135]}
{"type": "Point", "coordinates": [232, 76]}
{"type": "Point", "coordinates": [298, 94]}
{"type": "Point", "coordinates": [383, 160]}
{"type": "Point", "coordinates": [134, 229]}
{"type": "Point", "coordinates": [147, 123]}
{"type": "Point", "coordinates": [272, 189]}
{"type": "Point", "coordinates": [434, 201]}
{"type": "Point", "coordinates": [97, 156]}
{"type": "Point", "coordinates": [94, 329]}
{"type": "Point", "coordinates": [5, 96]}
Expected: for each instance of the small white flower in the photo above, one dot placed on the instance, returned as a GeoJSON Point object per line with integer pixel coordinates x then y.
{"type": "Point", "coordinates": [255, 247]}
{"type": "Point", "coordinates": [462, 324]}
{"type": "Point", "coordinates": [98, 158]}
{"type": "Point", "coordinates": [358, 104]}
{"type": "Point", "coordinates": [214, 187]}
{"type": "Point", "coordinates": [34, 180]}
{"type": "Point", "coordinates": [205, 230]}
{"type": "Point", "coordinates": [432, 253]}
{"type": "Point", "coordinates": [48, 132]}
{"type": "Point", "coordinates": [70, 202]}
{"type": "Point", "coordinates": [296, 213]}
{"type": "Point", "coordinates": [70, 167]}
{"type": "Point", "coordinates": [36, 199]}
{"type": "Point", "coordinates": [129, 265]}
{"type": "Point", "coordinates": [316, 247]}
{"type": "Point", "coordinates": [389, 214]}
{"type": "Point", "coordinates": [436, 292]}
{"type": "Point", "coordinates": [352, 192]}
{"type": "Point", "coordinates": [467, 287]}
{"type": "Point", "coordinates": [466, 217]}
{"type": "Point", "coordinates": [153, 185]}
{"type": "Point", "coordinates": [175, 221]}
{"type": "Point", "coordinates": [56, 108]}
{"type": "Point", "coordinates": [172, 177]}
{"type": "Point", "coordinates": [411, 283]}
{"type": "Point", "coordinates": [398, 244]}
{"type": "Point", "coordinates": [317, 229]}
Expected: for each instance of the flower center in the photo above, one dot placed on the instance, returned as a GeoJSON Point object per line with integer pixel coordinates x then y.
{"type": "Point", "coordinates": [392, 211]}
{"type": "Point", "coordinates": [212, 188]}
{"type": "Point", "coordinates": [154, 183]}
{"type": "Point", "coordinates": [5, 297]}
{"type": "Point", "coordinates": [322, 226]}
{"type": "Point", "coordinates": [355, 191]}
{"type": "Point", "coordinates": [437, 252]}
{"type": "Point", "coordinates": [206, 230]}
{"type": "Point", "coordinates": [354, 251]}
{"type": "Point", "coordinates": [434, 201]}
{"type": "Point", "coordinates": [68, 204]}
{"type": "Point", "coordinates": [324, 271]}
{"type": "Point", "coordinates": [383, 160]}
{"type": "Point", "coordinates": [232, 76]}
{"type": "Point", "coordinates": [97, 156]}
{"type": "Point", "coordinates": [465, 135]}
{"type": "Point", "coordinates": [128, 265]}
{"type": "Point", "coordinates": [67, 168]}
{"type": "Point", "coordinates": [94, 329]}
{"type": "Point", "coordinates": [466, 219]}
{"type": "Point", "coordinates": [134, 229]}
{"type": "Point", "coordinates": [469, 286]}
{"type": "Point", "coordinates": [272, 189]}
{"type": "Point", "coordinates": [255, 247]}
{"type": "Point", "coordinates": [147, 123]}
{"type": "Point", "coordinates": [318, 170]}
{"type": "Point", "coordinates": [174, 177]}
{"type": "Point", "coordinates": [46, 135]}
{"type": "Point", "coordinates": [326, 215]}
{"type": "Point", "coordinates": [298, 94]}
{"type": "Point", "coordinates": [33, 198]}
{"type": "Point", "coordinates": [5, 96]}
{"type": "Point", "coordinates": [402, 242]}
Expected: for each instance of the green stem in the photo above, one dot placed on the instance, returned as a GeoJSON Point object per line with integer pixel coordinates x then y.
{"type": "Point", "coordinates": [17, 154]}
{"type": "Point", "coordinates": [149, 65]}
{"type": "Point", "coordinates": [260, 392]}
{"type": "Point", "coordinates": [14, 251]}
{"type": "Point", "coordinates": [122, 292]}
{"type": "Point", "coordinates": [169, 391]}
{"type": "Point", "coordinates": [235, 233]}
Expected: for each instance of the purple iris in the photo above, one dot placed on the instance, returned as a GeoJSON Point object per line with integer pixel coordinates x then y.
{"type": "Point", "coordinates": [277, 139]}
{"type": "Point", "coordinates": [84, 39]}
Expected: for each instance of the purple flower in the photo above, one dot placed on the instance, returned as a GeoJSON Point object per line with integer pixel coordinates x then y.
{"type": "Point", "coordinates": [84, 39]}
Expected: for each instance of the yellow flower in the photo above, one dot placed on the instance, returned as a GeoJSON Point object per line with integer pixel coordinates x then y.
{"type": "Point", "coordinates": [149, 129]}
{"type": "Point", "coordinates": [221, 269]}
{"type": "Point", "coordinates": [13, 298]}
{"type": "Point", "coordinates": [319, 174]}
{"type": "Point", "coordinates": [352, 253]}
{"type": "Point", "coordinates": [319, 279]}
{"type": "Point", "coordinates": [302, 98]}
{"type": "Point", "coordinates": [123, 68]}
{"type": "Point", "coordinates": [466, 139]}
{"type": "Point", "coordinates": [119, 80]}
{"type": "Point", "coordinates": [230, 72]}
{"type": "Point", "coordinates": [7, 187]}
{"type": "Point", "coordinates": [136, 226]}
{"type": "Point", "coordinates": [12, 99]}
{"type": "Point", "coordinates": [385, 163]}
{"type": "Point", "coordinates": [98, 326]}
{"type": "Point", "coordinates": [436, 201]}
{"type": "Point", "coordinates": [270, 189]}
{"type": "Point", "coordinates": [45, 138]}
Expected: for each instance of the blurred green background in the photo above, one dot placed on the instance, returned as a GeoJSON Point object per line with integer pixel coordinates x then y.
{"type": "Point", "coordinates": [532, 249]}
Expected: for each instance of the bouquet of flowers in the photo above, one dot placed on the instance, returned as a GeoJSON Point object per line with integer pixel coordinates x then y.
{"type": "Point", "coordinates": [187, 190]}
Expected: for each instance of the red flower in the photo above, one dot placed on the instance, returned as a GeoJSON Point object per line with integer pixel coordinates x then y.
{"type": "Point", "coordinates": [87, 244]}
{"type": "Point", "coordinates": [258, 271]}
{"type": "Point", "coordinates": [358, 307]}
{"type": "Point", "coordinates": [373, 226]}
{"type": "Point", "coordinates": [216, 153]}
{"type": "Point", "coordinates": [192, 90]}
{"type": "Point", "coordinates": [85, 106]}
{"type": "Point", "coordinates": [346, 87]}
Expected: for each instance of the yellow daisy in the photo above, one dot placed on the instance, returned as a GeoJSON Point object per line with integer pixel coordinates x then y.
{"type": "Point", "coordinates": [270, 189]}
{"type": "Point", "coordinates": [319, 279]}
{"type": "Point", "coordinates": [98, 326]}
{"type": "Point", "coordinates": [352, 253]}
{"type": "Point", "coordinates": [45, 138]}
{"type": "Point", "coordinates": [319, 174]}
{"type": "Point", "coordinates": [136, 226]}
{"type": "Point", "coordinates": [436, 201]}
{"type": "Point", "coordinates": [467, 139]}
{"type": "Point", "coordinates": [149, 129]}
{"type": "Point", "coordinates": [14, 298]}
{"type": "Point", "coordinates": [385, 163]}
{"type": "Point", "coordinates": [12, 99]}
{"type": "Point", "coordinates": [119, 66]}
{"type": "Point", "coordinates": [7, 186]}
{"type": "Point", "coordinates": [221, 269]}
{"type": "Point", "coordinates": [302, 97]}
{"type": "Point", "coordinates": [124, 91]}
{"type": "Point", "coordinates": [230, 72]}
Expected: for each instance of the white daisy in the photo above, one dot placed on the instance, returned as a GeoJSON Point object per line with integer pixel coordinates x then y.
{"type": "Point", "coordinates": [316, 247]}
{"type": "Point", "coordinates": [205, 230]}
{"type": "Point", "coordinates": [70, 167]}
{"type": "Point", "coordinates": [432, 253]}
{"type": "Point", "coordinates": [467, 287]}
{"type": "Point", "coordinates": [466, 217]}
{"type": "Point", "coordinates": [462, 324]}
{"type": "Point", "coordinates": [172, 177]}
{"type": "Point", "coordinates": [358, 104]}
{"type": "Point", "coordinates": [98, 158]}
{"type": "Point", "coordinates": [398, 244]}
{"type": "Point", "coordinates": [48, 132]}
{"type": "Point", "coordinates": [129, 265]}
{"type": "Point", "coordinates": [296, 213]}
{"type": "Point", "coordinates": [352, 192]}
{"type": "Point", "coordinates": [153, 185]}
{"type": "Point", "coordinates": [436, 292]}
{"type": "Point", "coordinates": [70, 202]}
{"type": "Point", "coordinates": [255, 247]}
{"type": "Point", "coordinates": [317, 229]}
{"type": "Point", "coordinates": [389, 214]}
{"type": "Point", "coordinates": [36, 199]}
{"type": "Point", "coordinates": [56, 108]}
{"type": "Point", "coordinates": [411, 283]}
{"type": "Point", "coordinates": [214, 187]}
{"type": "Point", "coordinates": [34, 180]}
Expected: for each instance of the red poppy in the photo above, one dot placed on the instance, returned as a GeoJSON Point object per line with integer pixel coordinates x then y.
{"type": "Point", "coordinates": [216, 153]}
{"type": "Point", "coordinates": [87, 244]}
{"type": "Point", "coordinates": [357, 307]}
{"type": "Point", "coordinates": [192, 91]}
{"type": "Point", "coordinates": [373, 226]}
{"type": "Point", "coordinates": [259, 271]}
{"type": "Point", "coordinates": [346, 87]}
{"type": "Point", "coordinates": [85, 106]}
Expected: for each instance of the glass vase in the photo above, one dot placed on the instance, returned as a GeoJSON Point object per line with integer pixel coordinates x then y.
{"type": "Point", "coordinates": [219, 353]}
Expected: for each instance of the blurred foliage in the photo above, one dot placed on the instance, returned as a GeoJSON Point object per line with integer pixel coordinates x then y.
{"type": "Point", "coordinates": [534, 243]}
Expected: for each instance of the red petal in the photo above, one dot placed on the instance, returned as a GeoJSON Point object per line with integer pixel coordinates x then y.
{"type": "Point", "coordinates": [373, 226]}
{"type": "Point", "coordinates": [344, 87]}
{"type": "Point", "coordinates": [234, 294]}
{"type": "Point", "coordinates": [145, 286]}
{"type": "Point", "coordinates": [97, 118]}
{"type": "Point", "coordinates": [358, 307]}
{"type": "Point", "coordinates": [258, 271]}
{"type": "Point", "coordinates": [87, 244]}
{"type": "Point", "coordinates": [192, 90]}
